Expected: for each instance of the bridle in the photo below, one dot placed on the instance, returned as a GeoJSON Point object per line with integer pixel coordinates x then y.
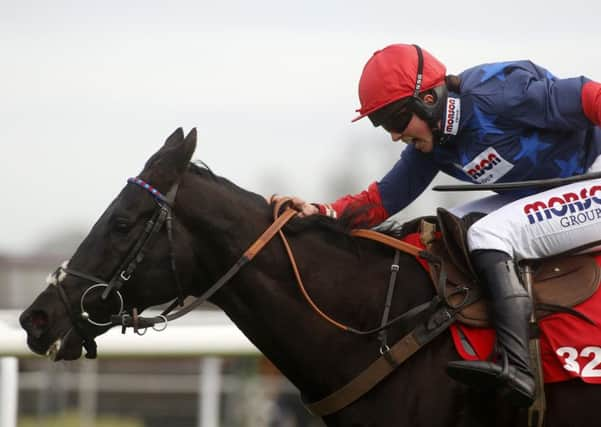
{"type": "Point", "coordinates": [163, 216]}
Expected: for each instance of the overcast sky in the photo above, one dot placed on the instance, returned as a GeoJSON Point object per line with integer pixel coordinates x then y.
{"type": "Point", "coordinates": [89, 90]}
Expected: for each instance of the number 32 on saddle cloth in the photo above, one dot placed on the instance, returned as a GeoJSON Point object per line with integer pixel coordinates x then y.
{"type": "Point", "coordinates": [570, 346]}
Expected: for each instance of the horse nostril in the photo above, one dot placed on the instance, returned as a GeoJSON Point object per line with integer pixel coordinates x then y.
{"type": "Point", "coordinates": [38, 321]}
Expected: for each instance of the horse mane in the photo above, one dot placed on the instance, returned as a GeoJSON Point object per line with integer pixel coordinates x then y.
{"type": "Point", "coordinates": [349, 220]}
{"type": "Point", "coordinates": [200, 168]}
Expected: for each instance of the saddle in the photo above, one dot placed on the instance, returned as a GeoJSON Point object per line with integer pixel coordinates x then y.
{"type": "Point", "coordinates": [563, 281]}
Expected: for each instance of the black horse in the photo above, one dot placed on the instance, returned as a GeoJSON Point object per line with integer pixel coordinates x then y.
{"type": "Point", "coordinates": [213, 223]}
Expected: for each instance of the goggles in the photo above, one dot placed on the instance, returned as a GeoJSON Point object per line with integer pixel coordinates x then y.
{"type": "Point", "coordinates": [394, 117]}
{"type": "Point", "coordinates": [398, 123]}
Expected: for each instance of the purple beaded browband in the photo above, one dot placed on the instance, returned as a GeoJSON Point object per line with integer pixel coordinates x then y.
{"type": "Point", "coordinates": [155, 193]}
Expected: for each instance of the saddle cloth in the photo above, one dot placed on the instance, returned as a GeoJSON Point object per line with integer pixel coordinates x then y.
{"type": "Point", "coordinates": [570, 346]}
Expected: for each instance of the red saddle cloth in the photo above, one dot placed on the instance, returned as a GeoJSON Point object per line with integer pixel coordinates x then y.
{"type": "Point", "coordinates": [570, 347]}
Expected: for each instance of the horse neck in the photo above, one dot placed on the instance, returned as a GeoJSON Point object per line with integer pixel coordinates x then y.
{"type": "Point", "coordinates": [264, 301]}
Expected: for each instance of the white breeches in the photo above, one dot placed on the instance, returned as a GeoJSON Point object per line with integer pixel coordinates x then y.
{"type": "Point", "coordinates": [562, 219]}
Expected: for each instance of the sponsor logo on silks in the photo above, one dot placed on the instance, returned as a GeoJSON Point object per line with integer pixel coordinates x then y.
{"type": "Point", "coordinates": [487, 167]}
{"type": "Point", "coordinates": [452, 116]}
{"type": "Point", "coordinates": [573, 208]}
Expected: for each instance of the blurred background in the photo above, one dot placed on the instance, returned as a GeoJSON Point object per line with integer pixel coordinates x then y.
{"type": "Point", "coordinates": [89, 90]}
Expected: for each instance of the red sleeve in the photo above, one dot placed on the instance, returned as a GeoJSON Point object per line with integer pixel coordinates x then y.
{"type": "Point", "coordinates": [591, 101]}
{"type": "Point", "coordinates": [369, 202]}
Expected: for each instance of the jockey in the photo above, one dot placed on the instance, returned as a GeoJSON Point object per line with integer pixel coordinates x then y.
{"type": "Point", "coordinates": [498, 122]}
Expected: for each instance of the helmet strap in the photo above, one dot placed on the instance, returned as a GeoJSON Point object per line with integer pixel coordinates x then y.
{"type": "Point", "coordinates": [420, 71]}
{"type": "Point", "coordinates": [431, 114]}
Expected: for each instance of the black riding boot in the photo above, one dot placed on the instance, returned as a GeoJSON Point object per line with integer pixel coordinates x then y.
{"type": "Point", "coordinates": [509, 310]}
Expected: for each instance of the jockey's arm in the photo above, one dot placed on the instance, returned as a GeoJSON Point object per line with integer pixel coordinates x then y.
{"type": "Point", "coordinates": [407, 179]}
{"type": "Point", "coordinates": [369, 201]}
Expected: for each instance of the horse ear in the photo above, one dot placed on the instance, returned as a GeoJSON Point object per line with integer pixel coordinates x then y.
{"type": "Point", "coordinates": [190, 142]}
{"type": "Point", "coordinates": [167, 164]}
{"type": "Point", "coordinates": [175, 138]}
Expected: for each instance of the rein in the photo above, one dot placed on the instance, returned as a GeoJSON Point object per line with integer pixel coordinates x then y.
{"type": "Point", "coordinates": [139, 322]}
{"type": "Point", "coordinates": [390, 241]}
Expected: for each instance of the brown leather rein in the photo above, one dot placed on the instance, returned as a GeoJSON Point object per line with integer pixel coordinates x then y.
{"type": "Point", "coordinates": [280, 219]}
{"type": "Point", "coordinates": [368, 234]}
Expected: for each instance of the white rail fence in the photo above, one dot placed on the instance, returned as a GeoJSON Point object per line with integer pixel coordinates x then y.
{"type": "Point", "coordinates": [200, 334]}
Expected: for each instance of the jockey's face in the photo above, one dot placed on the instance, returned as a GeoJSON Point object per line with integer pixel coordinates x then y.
{"type": "Point", "coordinates": [417, 133]}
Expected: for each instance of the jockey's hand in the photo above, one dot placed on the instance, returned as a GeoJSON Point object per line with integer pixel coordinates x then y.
{"type": "Point", "coordinates": [304, 209]}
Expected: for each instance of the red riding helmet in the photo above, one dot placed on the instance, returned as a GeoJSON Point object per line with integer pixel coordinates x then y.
{"type": "Point", "coordinates": [398, 71]}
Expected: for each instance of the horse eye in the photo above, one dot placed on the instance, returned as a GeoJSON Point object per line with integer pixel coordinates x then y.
{"type": "Point", "coordinates": [122, 226]}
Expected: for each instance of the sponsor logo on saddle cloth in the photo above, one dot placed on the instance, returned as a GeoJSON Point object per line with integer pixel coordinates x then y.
{"type": "Point", "coordinates": [570, 347]}
{"type": "Point", "coordinates": [487, 167]}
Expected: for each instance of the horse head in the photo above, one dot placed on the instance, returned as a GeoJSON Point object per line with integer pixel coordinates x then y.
{"type": "Point", "coordinates": [118, 267]}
